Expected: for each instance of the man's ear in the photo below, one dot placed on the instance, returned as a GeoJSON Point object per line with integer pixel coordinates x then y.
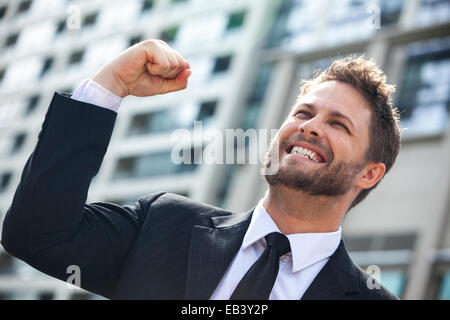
{"type": "Point", "coordinates": [373, 173]}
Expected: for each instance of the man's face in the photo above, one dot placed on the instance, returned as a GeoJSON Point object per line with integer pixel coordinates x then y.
{"type": "Point", "coordinates": [323, 142]}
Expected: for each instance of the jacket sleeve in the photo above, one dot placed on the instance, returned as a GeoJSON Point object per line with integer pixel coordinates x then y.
{"type": "Point", "coordinates": [48, 224]}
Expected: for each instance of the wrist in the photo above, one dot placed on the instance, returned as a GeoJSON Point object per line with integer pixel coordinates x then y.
{"type": "Point", "coordinates": [109, 81]}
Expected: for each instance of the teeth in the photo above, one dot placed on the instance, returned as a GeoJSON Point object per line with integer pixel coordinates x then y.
{"type": "Point", "coordinates": [305, 153]}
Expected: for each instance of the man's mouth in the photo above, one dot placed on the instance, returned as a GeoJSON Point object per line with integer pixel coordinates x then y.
{"type": "Point", "coordinates": [307, 151]}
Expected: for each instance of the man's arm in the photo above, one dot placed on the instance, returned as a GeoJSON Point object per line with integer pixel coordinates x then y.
{"type": "Point", "coordinates": [48, 224]}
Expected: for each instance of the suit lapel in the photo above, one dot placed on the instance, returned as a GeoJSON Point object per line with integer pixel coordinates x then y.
{"type": "Point", "coordinates": [211, 252]}
{"type": "Point", "coordinates": [338, 278]}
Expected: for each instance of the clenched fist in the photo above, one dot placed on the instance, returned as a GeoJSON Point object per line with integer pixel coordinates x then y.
{"type": "Point", "coordinates": [148, 68]}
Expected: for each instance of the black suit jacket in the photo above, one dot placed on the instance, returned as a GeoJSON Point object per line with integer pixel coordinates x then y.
{"type": "Point", "coordinates": [164, 247]}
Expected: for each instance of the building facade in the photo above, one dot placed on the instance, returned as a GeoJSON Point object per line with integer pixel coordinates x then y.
{"type": "Point", "coordinates": [248, 58]}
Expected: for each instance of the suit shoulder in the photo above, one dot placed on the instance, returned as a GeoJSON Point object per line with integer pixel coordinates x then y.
{"type": "Point", "coordinates": [163, 203]}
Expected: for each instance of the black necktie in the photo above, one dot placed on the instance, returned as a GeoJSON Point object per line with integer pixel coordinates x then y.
{"type": "Point", "coordinates": [258, 282]}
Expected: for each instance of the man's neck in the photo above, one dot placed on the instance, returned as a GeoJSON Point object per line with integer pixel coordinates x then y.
{"type": "Point", "coordinates": [296, 212]}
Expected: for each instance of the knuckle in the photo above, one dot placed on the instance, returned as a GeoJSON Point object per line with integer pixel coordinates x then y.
{"type": "Point", "coordinates": [149, 43]}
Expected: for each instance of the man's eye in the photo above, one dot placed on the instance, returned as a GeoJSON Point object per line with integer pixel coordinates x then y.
{"type": "Point", "coordinates": [341, 125]}
{"type": "Point", "coordinates": [302, 114]}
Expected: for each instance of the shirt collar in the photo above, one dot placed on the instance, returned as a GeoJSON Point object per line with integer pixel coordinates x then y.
{"type": "Point", "coordinates": [306, 248]}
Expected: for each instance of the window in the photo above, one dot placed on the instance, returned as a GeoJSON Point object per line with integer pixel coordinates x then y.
{"type": "Point", "coordinates": [393, 280]}
{"type": "Point", "coordinates": [207, 111]}
{"type": "Point", "coordinates": [48, 62]}
{"type": "Point", "coordinates": [11, 40]}
{"type": "Point", "coordinates": [135, 39]}
{"type": "Point", "coordinates": [432, 12]}
{"type": "Point", "coordinates": [390, 11]}
{"type": "Point", "coordinates": [236, 20]}
{"type": "Point", "coordinates": [32, 104]}
{"type": "Point", "coordinates": [172, 118]}
{"type": "Point", "coordinates": [381, 242]}
{"type": "Point", "coordinates": [169, 35]}
{"type": "Point", "coordinates": [256, 96]}
{"type": "Point", "coordinates": [6, 264]}
{"type": "Point", "coordinates": [222, 64]}
{"type": "Point", "coordinates": [76, 57]}
{"type": "Point", "coordinates": [3, 11]}
{"type": "Point", "coordinates": [2, 74]}
{"type": "Point", "coordinates": [424, 95]}
{"type": "Point", "coordinates": [5, 179]}
{"type": "Point", "coordinates": [90, 19]}
{"type": "Point", "coordinates": [61, 26]}
{"type": "Point", "coordinates": [147, 5]}
{"type": "Point", "coordinates": [18, 143]}
{"type": "Point", "coordinates": [24, 6]}
{"type": "Point", "coordinates": [152, 165]}
{"type": "Point", "coordinates": [296, 23]}
{"type": "Point", "coordinates": [444, 291]}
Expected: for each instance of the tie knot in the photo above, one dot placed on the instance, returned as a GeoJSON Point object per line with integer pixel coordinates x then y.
{"type": "Point", "coordinates": [279, 242]}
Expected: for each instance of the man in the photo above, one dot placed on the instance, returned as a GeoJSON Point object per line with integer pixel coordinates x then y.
{"type": "Point", "coordinates": [337, 143]}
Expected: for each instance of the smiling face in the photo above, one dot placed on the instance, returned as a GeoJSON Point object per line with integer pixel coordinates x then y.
{"type": "Point", "coordinates": [323, 142]}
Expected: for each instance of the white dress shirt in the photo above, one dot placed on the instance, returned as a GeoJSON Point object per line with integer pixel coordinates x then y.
{"type": "Point", "coordinates": [309, 251]}
{"type": "Point", "coordinates": [91, 92]}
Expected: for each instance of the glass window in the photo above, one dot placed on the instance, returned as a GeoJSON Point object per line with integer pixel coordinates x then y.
{"type": "Point", "coordinates": [135, 39]}
{"type": "Point", "coordinates": [433, 12]}
{"type": "Point", "coordinates": [90, 19]}
{"type": "Point", "coordinates": [11, 40]}
{"type": "Point", "coordinates": [147, 5]}
{"type": "Point", "coordinates": [3, 10]}
{"type": "Point", "coordinates": [296, 24]}
{"type": "Point", "coordinates": [236, 20]}
{"type": "Point", "coordinates": [6, 264]}
{"type": "Point", "coordinates": [2, 74]}
{"type": "Point", "coordinates": [257, 96]}
{"type": "Point", "coordinates": [390, 11]}
{"type": "Point", "coordinates": [33, 102]}
{"type": "Point", "coordinates": [169, 35]}
{"type": "Point", "coordinates": [393, 280]}
{"type": "Point", "coordinates": [173, 118]}
{"type": "Point", "coordinates": [61, 26]}
{"type": "Point", "coordinates": [424, 95]}
{"type": "Point", "coordinates": [48, 62]}
{"type": "Point", "coordinates": [221, 64]}
{"type": "Point", "coordinates": [5, 179]}
{"type": "Point", "coordinates": [152, 165]}
{"type": "Point", "coordinates": [444, 291]}
{"type": "Point", "coordinates": [76, 57]}
{"type": "Point", "coordinates": [24, 6]}
{"type": "Point", "coordinates": [348, 22]}
{"type": "Point", "coordinates": [18, 142]}
{"type": "Point", "coordinates": [206, 113]}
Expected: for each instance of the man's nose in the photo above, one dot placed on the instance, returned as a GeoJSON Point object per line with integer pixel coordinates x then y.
{"type": "Point", "coordinates": [310, 128]}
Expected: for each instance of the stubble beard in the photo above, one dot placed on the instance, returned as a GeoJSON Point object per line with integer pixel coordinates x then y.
{"type": "Point", "coordinates": [335, 178]}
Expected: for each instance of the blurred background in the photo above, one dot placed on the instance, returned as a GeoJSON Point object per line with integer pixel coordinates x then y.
{"type": "Point", "coordinates": [247, 57]}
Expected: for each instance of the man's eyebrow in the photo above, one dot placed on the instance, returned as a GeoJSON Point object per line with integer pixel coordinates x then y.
{"type": "Point", "coordinates": [337, 114]}
{"type": "Point", "coordinates": [334, 113]}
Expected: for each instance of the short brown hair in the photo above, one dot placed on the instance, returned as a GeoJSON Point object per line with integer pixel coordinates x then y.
{"type": "Point", "coordinates": [384, 132]}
